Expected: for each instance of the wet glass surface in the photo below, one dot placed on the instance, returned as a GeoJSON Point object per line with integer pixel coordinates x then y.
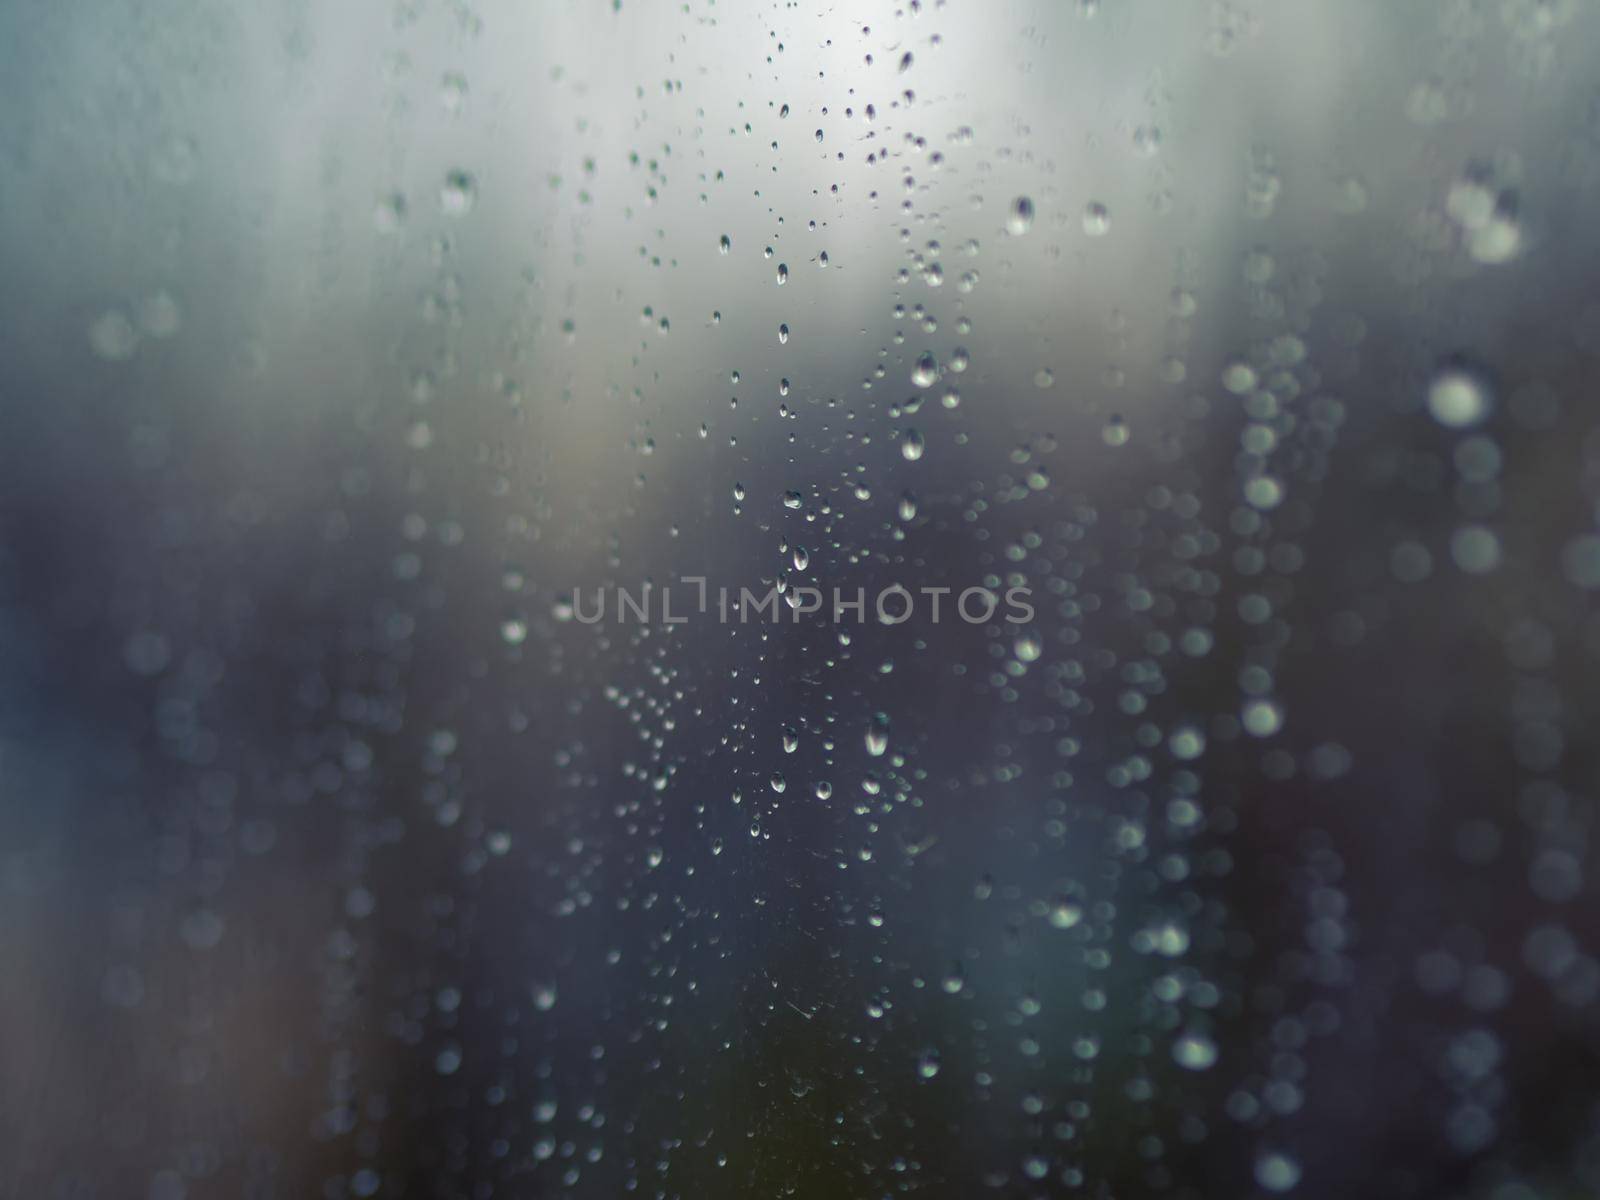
{"type": "Point", "coordinates": [500, 505]}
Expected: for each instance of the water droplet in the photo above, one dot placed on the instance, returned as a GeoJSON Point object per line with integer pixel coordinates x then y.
{"type": "Point", "coordinates": [783, 274]}
{"type": "Point", "coordinates": [1187, 742]}
{"type": "Point", "coordinates": [911, 445]}
{"type": "Point", "coordinates": [1147, 140]}
{"type": "Point", "coordinates": [1096, 220]}
{"type": "Point", "coordinates": [1194, 1052]}
{"type": "Point", "coordinates": [389, 215]}
{"type": "Point", "coordinates": [1020, 219]}
{"type": "Point", "coordinates": [1277, 1172]}
{"type": "Point", "coordinates": [1458, 398]}
{"type": "Point", "coordinates": [925, 371]}
{"type": "Point", "coordinates": [878, 736]}
{"type": "Point", "coordinates": [112, 336]}
{"type": "Point", "coordinates": [783, 334]}
{"type": "Point", "coordinates": [159, 314]}
{"type": "Point", "coordinates": [1065, 913]}
{"type": "Point", "coordinates": [458, 195]}
{"type": "Point", "coordinates": [1239, 378]}
{"type": "Point", "coordinates": [1261, 718]}
{"type": "Point", "coordinates": [453, 91]}
{"type": "Point", "coordinates": [725, 244]}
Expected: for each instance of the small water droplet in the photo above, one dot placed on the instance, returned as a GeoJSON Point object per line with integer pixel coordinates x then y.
{"type": "Point", "coordinates": [1458, 398]}
{"type": "Point", "coordinates": [1020, 219]}
{"type": "Point", "coordinates": [1194, 1052]}
{"type": "Point", "coordinates": [112, 336]}
{"type": "Point", "coordinates": [459, 194]}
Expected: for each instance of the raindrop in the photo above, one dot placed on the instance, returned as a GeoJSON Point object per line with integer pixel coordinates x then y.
{"type": "Point", "coordinates": [1458, 398]}
{"type": "Point", "coordinates": [1277, 1172]}
{"type": "Point", "coordinates": [1065, 913]}
{"type": "Point", "coordinates": [1194, 1052]}
{"type": "Point", "coordinates": [159, 314]}
{"type": "Point", "coordinates": [459, 194]}
{"type": "Point", "coordinates": [112, 336]}
{"type": "Point", "coordinates": [1021, 217]}
{"type": "Point", "coordinates": [878, 735]}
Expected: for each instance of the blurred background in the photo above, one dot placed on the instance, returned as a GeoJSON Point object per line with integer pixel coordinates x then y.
{"type": "Point", "coordinates": [344, 344]}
